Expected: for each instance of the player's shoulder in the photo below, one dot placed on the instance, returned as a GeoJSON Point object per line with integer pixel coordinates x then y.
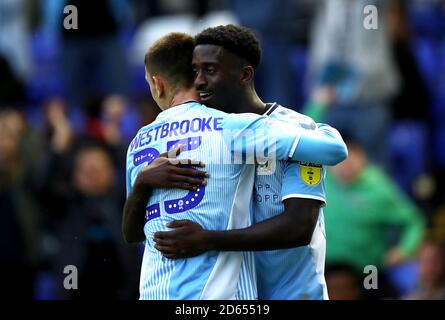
{"type": "Point", "coordinates": [286, 114]}
{"type": "Point", "coordinates": [216, 112]}
{"type": "Point", "coordinates": [135, 141]}
{"type": "Point", "coordinates": [234, 120]}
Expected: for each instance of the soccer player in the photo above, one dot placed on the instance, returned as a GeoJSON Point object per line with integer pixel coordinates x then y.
{"type": "Point", "coordinates": [288, 202]}
{"type": "Point", "coordinates": [223, 203]}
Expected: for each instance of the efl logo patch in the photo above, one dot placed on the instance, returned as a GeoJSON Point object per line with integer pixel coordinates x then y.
{"type": "Point", "coordinates": [310, 173]}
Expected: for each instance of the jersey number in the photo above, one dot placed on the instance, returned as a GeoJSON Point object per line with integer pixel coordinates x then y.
{"type": "Point", "coordinates": [191, 199]}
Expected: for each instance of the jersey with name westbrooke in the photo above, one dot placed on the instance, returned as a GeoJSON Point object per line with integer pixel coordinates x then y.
{"type": "Point", "coordinates": [225, 203]}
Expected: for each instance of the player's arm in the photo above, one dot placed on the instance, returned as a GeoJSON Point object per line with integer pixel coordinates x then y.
{"type": "Point", "coordinates": [133, 216]}
{"type": "Point", "coordinates": [303, 194]}
{"type": "Point", "coordinates": [285, 141]}
{"type": "Point", "coordinates": [324, 146]}
{"type": "Point", "coordinates": [292, 228]}
{"type": "Point", "coordinates": [163, 172]}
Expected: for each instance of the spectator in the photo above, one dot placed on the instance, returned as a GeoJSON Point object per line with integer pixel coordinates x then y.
{"type": "Point", "coordinates": [431, 263]}
{"type": "Point", "coordinates": [357, 64]}
{"type": "Point", "coordinates": [20, 238]}
{"type": "Point", "coordinates": [364, 205]}
{"type": "Point", "coordinates": [411, 102]}
{"type": "Point", "coordinates": [92, 55]}
{"type": "Point", "coordinates": [343, 282]}
{"type": "Point", "coordinates": [275, 24]}
{"type": "Point", "coordinates": [58, 139]}
{"type": "Point", "coordinates": [90, 234]}
{"type": "Point", "coordinates": [364, 208]}
{"type": "Point", "coordinates": [104, 123]}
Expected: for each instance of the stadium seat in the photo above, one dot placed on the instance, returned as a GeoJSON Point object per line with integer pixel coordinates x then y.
{"type": "Point", "coordinates": [408, 149]}
{"type": "Point", "coordinates": [438, 147]}
{"type": "Point", "coordinates": [299, 63]}
{"type": "Point", "coordinates": [404, 277]}
{"type": "Point", "coordinates": [45, 79]}
{"type": "Point", "coordinates": [426, 19]}
{"type": "Point", "coordinates": [45, 286]}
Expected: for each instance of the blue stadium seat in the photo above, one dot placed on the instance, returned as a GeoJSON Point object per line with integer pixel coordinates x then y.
{"type": "Point", "coordinates": [438, 147]}
{"type": "Point", "coordinates": [426, 19]}
{"type": "Point", "coordinates": [130, 122]}
{"type": "Point", "coordinates": [424, 51]}
{"type": "Point", "coordinates": [46, 79]}
{"type": "Point", "coordinates": [437, 109]}
{"type": "Point", "coordinates": [408, 152]}
{"type": "Point", "coordinates": [45, 284]}
{"type": "Point", "coordinates": [404, 277]}
{"type": "Point", "coordinates": [139, 85]}
{"type": "Point", "coordinates": [299, 63]}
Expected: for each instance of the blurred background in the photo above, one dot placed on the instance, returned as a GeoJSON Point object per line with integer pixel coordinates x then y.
{"type": "Point", "coordinates": [72, 99]}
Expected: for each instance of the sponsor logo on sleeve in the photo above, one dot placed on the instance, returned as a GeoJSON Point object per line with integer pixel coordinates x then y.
{"type": "Point", "coordinates": [310, 173]}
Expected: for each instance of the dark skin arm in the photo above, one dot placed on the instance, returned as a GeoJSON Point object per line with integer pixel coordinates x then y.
{"type": "Point", "coordinates": [292, 228]}
{"type": "Point", "coordinates": [163, 172]}
{"type": "Point", "coordinates": [133, 217]}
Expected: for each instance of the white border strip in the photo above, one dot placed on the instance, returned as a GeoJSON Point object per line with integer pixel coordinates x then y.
{"type": "Point", "coordinates": [304, 196]}
{"type": "Point", "coordinates": [294, 145]}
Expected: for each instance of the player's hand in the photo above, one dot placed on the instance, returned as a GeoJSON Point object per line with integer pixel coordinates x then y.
{"type": "Point", "coordinates": [185, 241]}
{"type": "Point", "coordinates": [168, 172]}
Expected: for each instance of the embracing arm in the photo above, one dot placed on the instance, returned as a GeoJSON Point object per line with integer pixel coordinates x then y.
{"type": "Point", "coordinates": [292, 228]}
{"type": "Point", "coordinates": [163, 172]}
{"type": "Point", "coordinates": [324, 146]}
{"type": "Point", "coordinates": [133, 216]}
{"type": "Point", "coordinates": [285, 141]}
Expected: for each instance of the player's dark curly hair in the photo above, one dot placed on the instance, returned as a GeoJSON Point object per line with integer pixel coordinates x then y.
{"type": "Point", "coordinates": [238, 40]}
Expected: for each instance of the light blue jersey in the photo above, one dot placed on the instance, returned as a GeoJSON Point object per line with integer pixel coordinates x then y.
{"type": "Point", "coordinates": [296, 273]}
{"type": "Point", "coordinates": [225, 203]}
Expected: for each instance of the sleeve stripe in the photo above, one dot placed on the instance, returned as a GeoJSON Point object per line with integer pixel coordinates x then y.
{"type": "Point", "coordinates": [294, 145]}
{"type": "Point", "coordinates": [304, 196]}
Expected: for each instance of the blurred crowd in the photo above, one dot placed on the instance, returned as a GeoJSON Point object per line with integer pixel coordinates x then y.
{"type": "Point", "coordinates": [71, 100]}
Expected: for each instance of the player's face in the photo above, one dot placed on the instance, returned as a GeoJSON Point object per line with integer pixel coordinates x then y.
{"type": "Point", "coordinates": [217, 77]}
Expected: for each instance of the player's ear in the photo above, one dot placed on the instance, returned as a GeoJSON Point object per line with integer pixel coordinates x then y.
{"type": "Point", "coordinates": [159, 86]}
{"type": "Point", "coordinates": [247, 73]}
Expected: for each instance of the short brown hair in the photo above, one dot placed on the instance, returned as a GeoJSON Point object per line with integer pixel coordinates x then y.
{"type": "Point", "coordinates": [171, 57]}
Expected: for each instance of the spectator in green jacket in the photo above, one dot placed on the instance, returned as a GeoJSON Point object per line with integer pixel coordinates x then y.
{"type": "Point", "coordinates": [364, 205]}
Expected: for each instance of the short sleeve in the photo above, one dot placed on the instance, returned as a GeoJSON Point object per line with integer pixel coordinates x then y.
{"type": "Point", "coordinates": [304, 180]}
{"type": "Point", "coordinates": [261, 135]}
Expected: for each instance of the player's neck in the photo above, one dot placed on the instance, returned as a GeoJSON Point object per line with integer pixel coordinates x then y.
{"type": "Point", "coordinates": [182, 96]}
{"type": "Point", "coordinates": [251, 103]}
